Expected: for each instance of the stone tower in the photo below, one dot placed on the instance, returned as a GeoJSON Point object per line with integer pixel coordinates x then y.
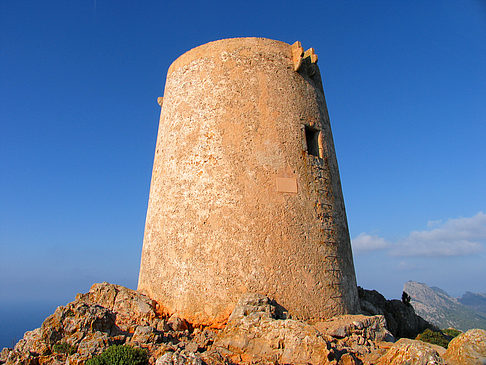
{"type": "Point", "coordinates": [245, 193]}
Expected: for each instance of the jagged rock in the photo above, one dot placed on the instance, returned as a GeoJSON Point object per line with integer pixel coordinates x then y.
{"type": "Point", "coordinates": [204, 339]}
{"type": "Point", "coordinates": [254, 335]}
{"type": "Point", "coordinates": [406, 351]}
{"type": "Point", "coordinates": [467, 349]}
{"type": "Point", "coordinates": [257, 332]}
{"type": "Point", "coordinates": [192, 347]}
{"type": "Point", "coordinates": [129, 305]}
{"type": "Point", "coordinates": [177, 324]}
{"type": "Point", "coordinates": [348, 359]}
{"type": "Point", "coordinates": [144, 334]}
{"type": "Point", "coordinates": [253, 303]}
{"type": "Point", "coordinates": [4, 354]}
{"type": "Point", "coordinates": [365, 327]}
{"type": "Point", "coordinates": [93, 344]}
{"type": "Point", "coordinates": [161, 325]}
{"type": "Point", "coordinates": [401, 319]}
{"type": "Point", "coordinates": [182, 358]}
{"type": "Point", "coordinates": [108, 314]}
{"type": "Point", "coordinates": [31, 342]}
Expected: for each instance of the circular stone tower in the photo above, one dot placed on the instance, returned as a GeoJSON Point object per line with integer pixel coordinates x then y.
{"type": "Point", "coordinates": [245, 193]}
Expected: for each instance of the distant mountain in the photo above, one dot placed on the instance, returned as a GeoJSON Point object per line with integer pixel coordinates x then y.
{"type": "Point", "coordinates": [438, 307]}
{"type": "Point", "coordinates": [475, 301]}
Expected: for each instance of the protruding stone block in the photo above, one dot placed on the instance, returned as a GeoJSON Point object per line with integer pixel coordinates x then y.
{"type": "Point", "coordinates": [297, 52]}
{"type": "Point", "coordinates": [310, 53]}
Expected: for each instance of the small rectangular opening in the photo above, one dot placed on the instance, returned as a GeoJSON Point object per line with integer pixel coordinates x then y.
{"type": "Point", "coordinates": [312, 140]}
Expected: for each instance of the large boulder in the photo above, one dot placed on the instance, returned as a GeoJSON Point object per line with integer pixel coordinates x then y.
{"type": "Point", "coordinates": [408, 352]}
{"type": "Point", "coordinates": [128, 305]}
{"type": "Point", "coordinates": [366, 327]}
{"type": "Point", "coordinates": [254, 335]}
{"type": "Point", "coordinates": [401, 319]}
{"type": "Point", "coordinates": [467, 349]}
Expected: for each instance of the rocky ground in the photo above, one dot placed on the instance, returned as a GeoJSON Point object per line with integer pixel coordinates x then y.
{"type": "Point", "coordinates": [256, 333]}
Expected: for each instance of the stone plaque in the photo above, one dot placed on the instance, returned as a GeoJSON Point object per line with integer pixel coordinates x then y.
{"type": "Point", "coordinates": [286, 184]}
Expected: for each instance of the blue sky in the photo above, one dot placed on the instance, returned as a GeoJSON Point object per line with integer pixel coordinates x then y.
{"type": "Point", "coordinates": [405, 83]}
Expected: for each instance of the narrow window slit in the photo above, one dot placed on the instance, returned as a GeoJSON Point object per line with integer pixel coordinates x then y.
{"type": "Point", "coordinates": [312, 140]}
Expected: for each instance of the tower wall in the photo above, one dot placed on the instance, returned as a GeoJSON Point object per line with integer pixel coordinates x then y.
{"type": "Point", "coordinates": [240, 200]}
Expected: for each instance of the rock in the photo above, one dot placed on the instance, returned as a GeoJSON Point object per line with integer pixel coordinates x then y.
{"type": "Point", "coordinates": [204, 338]}
{"type": "Point", "coordinates": [177, 324]}
{"type": "Point", "coordinates": [75, 320]}
{"type": "Point", "coordinates": [93, 344]}
{"type": "Point", "coordinates": [161, 325]}
{"type": "Point", "coordinates": [467, 349]}
{"type": "Point", "coordinates": [144, 334]}
{"type": "Point", "coordinates": [365, 327]}
{"type": "Point", "coordinates": [31, 342]}
{"type": "Point", "coordinates": [4, 354]}
{"type": "Point", "coordinates": [53, 360]}
{"type": "Point", "coordinates": [440, 350]}
{"type": "Point", "coordinates": [257, 332]}
{"type": "Point", "coordinates": [173, 358]}
{"type": "Point", "coordinates": [348, 359]}
{"type": "Point", "coordinates": [254, 335]}
{"type": "Point", "coordinates": [406, 351]}
{"type": "Point", "coordinates": [216, 357]}
{"type": "Point", "coordinates": [253, 303]}
{"type": "Point", "coordinates": [408, 324]}
{"type": "Point", "coordinates": [372, 297]}
{"type": "Point", "coordinates": [401, 319]}
{"type": "Point", "coordinates": [129, 305]}
{"type": "Point", "coordinates": [192, 347]}
{"type": "Point", "coordinates": [108, 314]}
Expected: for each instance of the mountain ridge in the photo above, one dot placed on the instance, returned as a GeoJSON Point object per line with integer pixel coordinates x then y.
{"type": "Point", "coordinates": [475, 301]}
{"type": "Point", "coordinates": [438, 307]}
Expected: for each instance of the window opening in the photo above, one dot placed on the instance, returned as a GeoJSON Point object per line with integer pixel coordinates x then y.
{"type": "Point", "coordinates": [312, 140]}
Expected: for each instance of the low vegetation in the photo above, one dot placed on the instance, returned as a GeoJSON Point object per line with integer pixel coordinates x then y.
{"type": "Point", "coordinates": [120, 355]}
{"type": "Point", "coordinates": [451, 332]}
{"type": "Point", "coordinates": [63, 348]}
{"type": "Point", "coordinates": [441, 338]}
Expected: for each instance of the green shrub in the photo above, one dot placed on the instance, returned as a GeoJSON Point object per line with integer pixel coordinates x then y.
{"type": "Point", "coordinates": [452, 332]}
{"type": "Point", "coordinates": [435, 337]}
{"type": "Point", "coordinates": [120, 355]}
{"type": "Point", "coordinates": [63, 348]}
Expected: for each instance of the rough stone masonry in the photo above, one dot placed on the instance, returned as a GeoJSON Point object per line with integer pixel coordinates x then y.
{"type": "Point", "coordinates": [245, 193]}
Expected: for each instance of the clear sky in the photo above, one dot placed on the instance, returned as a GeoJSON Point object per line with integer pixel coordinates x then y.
{"type": "Point", "coordinates": [405, 83]}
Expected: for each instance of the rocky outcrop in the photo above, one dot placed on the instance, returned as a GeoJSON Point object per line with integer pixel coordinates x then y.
{"type": "Point", "coordinates": [406, 351]}
{"type": "Point", "coordinates": [256, 332]}
{"type": "Point", "coordinates": [401, 319]}
{"type": "Point", "coordinates": [467, 349]}
{"type": "Point", "coordinates": [372, 328]}
{"type": "Point", "coordinates": [255, 335]}
{"type": "Point", "coordinates": [108, 314]}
